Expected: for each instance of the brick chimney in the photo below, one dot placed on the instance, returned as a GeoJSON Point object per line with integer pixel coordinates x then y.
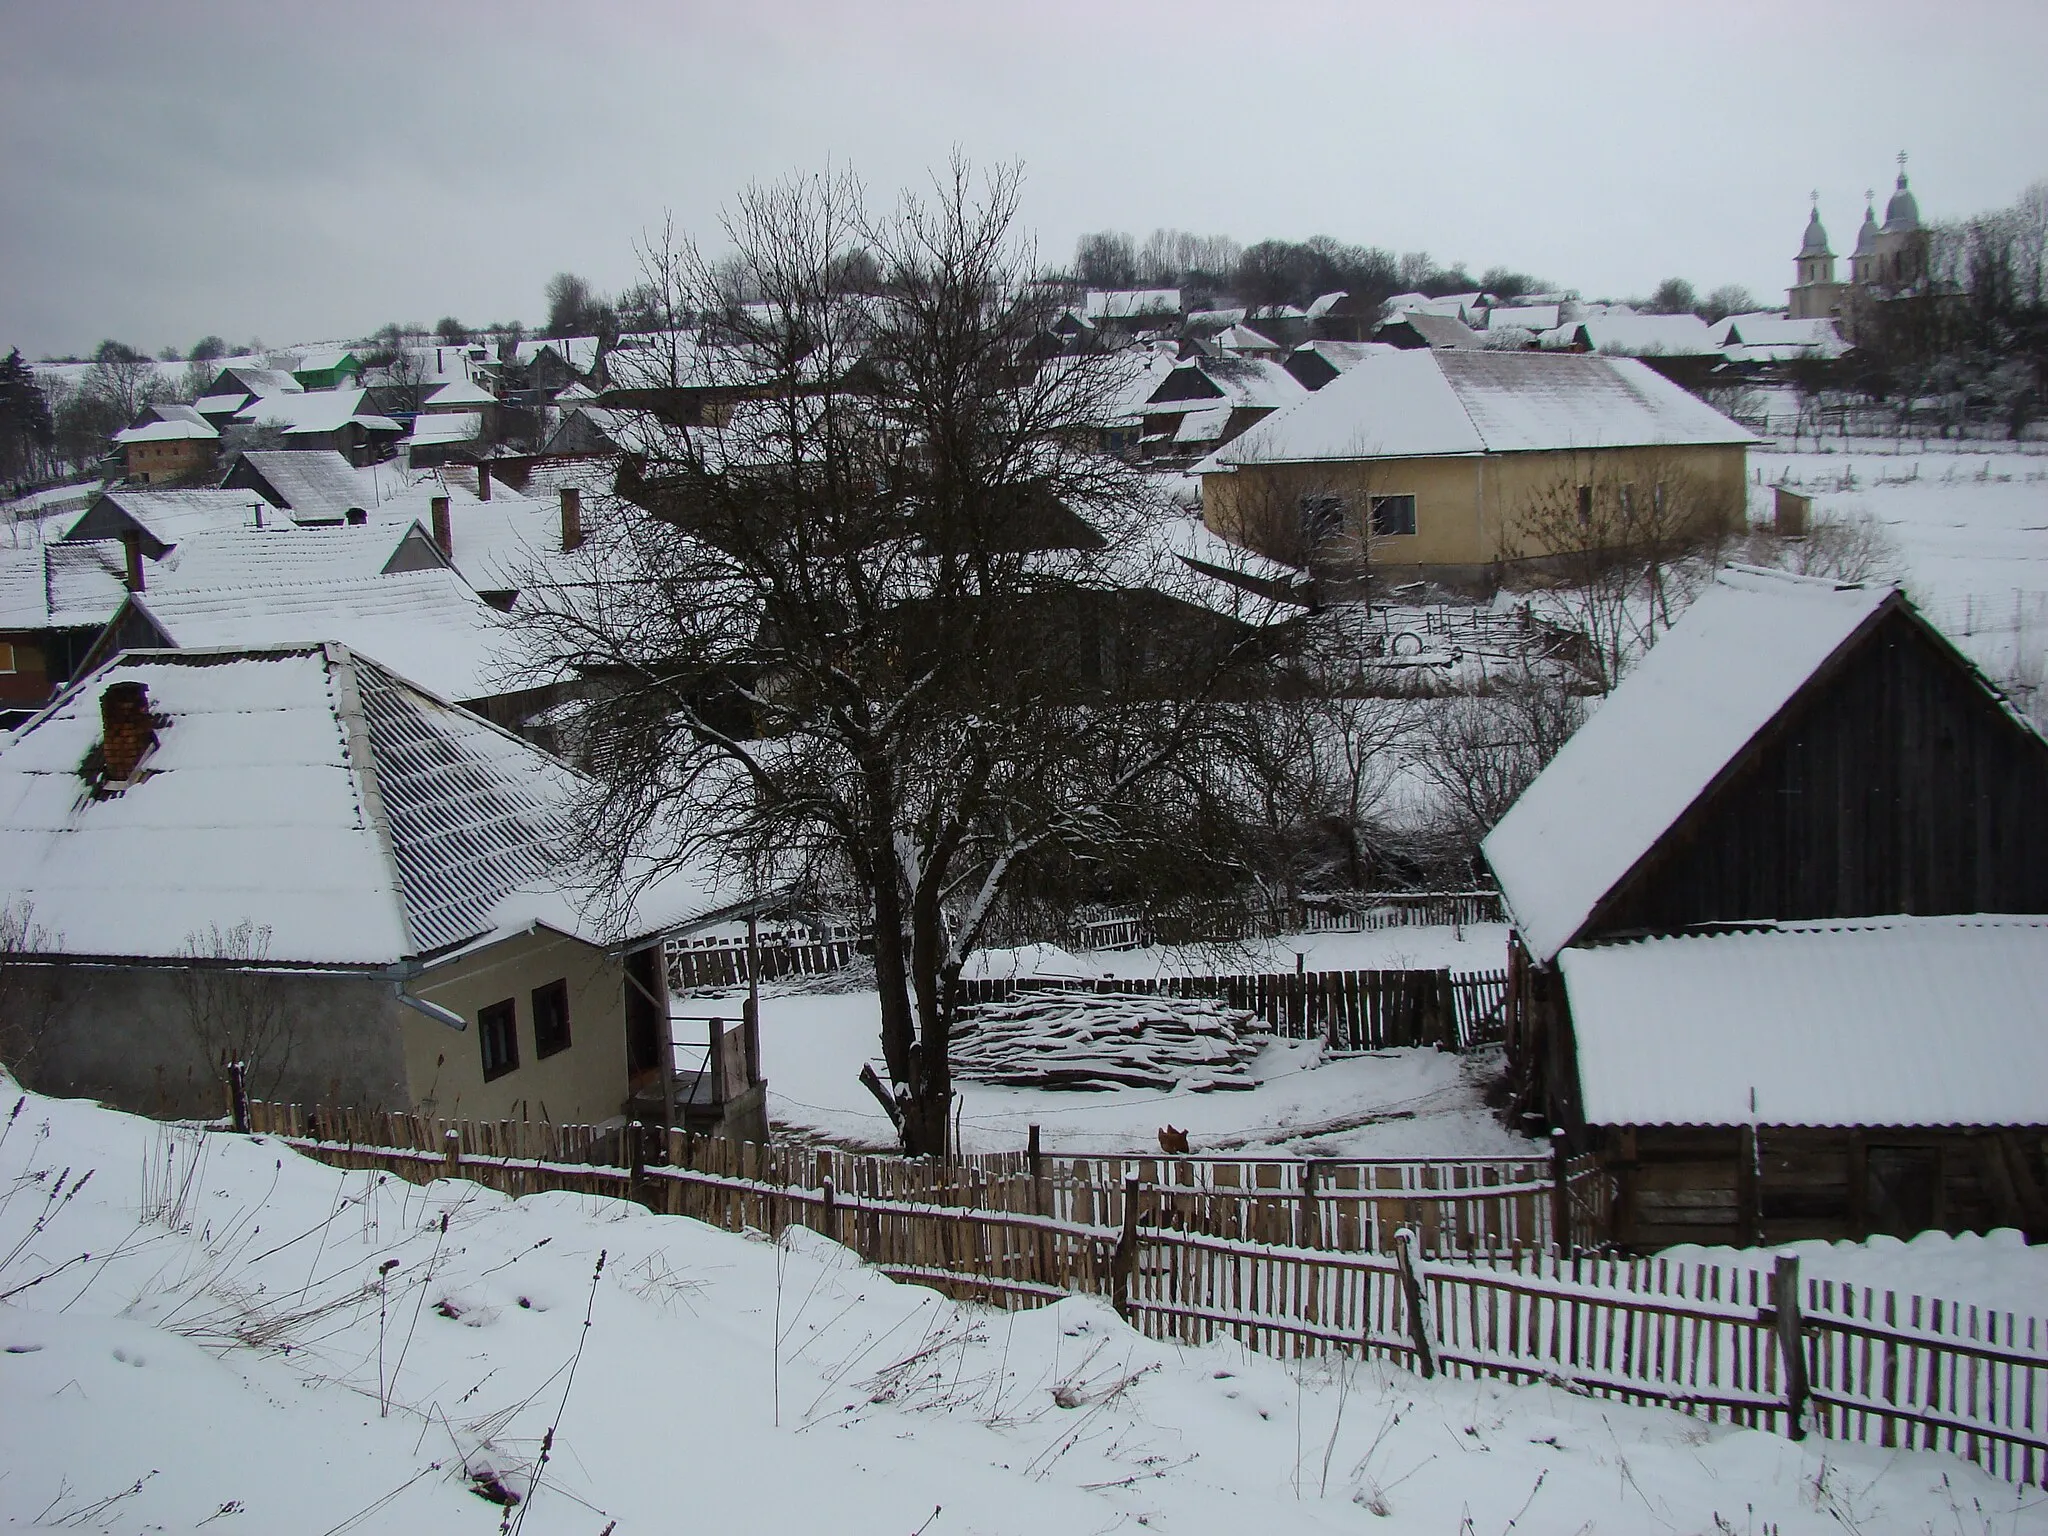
{"type": "Point", "coordinates": [444, 528]}
{"type": "Point", "coordinates": [483, 482]}
{"type": "Point", "coordinates": [131, 545]}
{"type": "Point", "coordinates": [125, 729]}
{"type": "Point", "coordinates": [572, 518]}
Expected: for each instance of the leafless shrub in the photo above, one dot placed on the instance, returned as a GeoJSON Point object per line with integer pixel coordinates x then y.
{"type": "Point", "coordinates": [234, 1008]}
{"type": "Point", "coordinates": [1853, 545]}
{"type": "Point", "coordinates": [27, 1004]}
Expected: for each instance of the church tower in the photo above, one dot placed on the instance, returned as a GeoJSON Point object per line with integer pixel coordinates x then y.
{"type": "Point", "coordinates": [1815, 295]}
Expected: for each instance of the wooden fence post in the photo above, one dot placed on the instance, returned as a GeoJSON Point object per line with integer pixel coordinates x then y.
{"type": "Point", "coordinates": [238, 1095]}
{"type": "Point", "coordinates": [1125, 1263]}
{"type": "Point", "coordinates": [451, 1154]}
{"type": "Point", "coordinates": [1560, 1197]}
{"type": "Point", "coordinates": [1791, 1342]}
{"type": "Point", "coordinates": [1418, 1311]}
{"type": "Point", "coordinates": [831, 1211]}
{"type": "Point", "coordinates": [636, 1163]}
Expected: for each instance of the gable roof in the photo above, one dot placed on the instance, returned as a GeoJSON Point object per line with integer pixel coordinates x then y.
{"type": "Point", "coordinates": [429, 625]}
{"type": "Point", "coordinates": [61, 586]}
{"type": "Point", "coordinates": [1432, 404]}
{"type": "Point", "coordinates": [315, 485]}
{"type": "Point", "coordinates": [313, 792]}
{"type": "Point", "coordinates": [1730, 665]}
{"type": "Point", "coordinates": [312, 411]}
{"type": "Point", "coordinates": [1637, 335]}
{"type": "Point", "coordinates": [286, 554]}
{"type": "Point", "coordinates": [164, 517]}
{"type": "Point", "coordinates": [1907, 1021]}
{"type": "Point", "coordinates": [1433, 330]}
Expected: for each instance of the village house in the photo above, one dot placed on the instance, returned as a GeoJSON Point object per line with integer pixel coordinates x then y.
{"type": "Point", "coordinates": [313, 486]}
{"type": "Point", "coordinates": [55, 599]}
{"type": "Point", "coordinates": [295, 856]}
{"type": "Point", "coordinates": [1433, 463]}
{"type": "Point", "coordinates": [327, 368]}
{"type": "Point", "coordinates": [338, 419]}
{"type": "Point", "coordinates": [1781, 929]}
{"type": "Point", "coordinates": [1414, 328]}
{"type": "Point", "coordinates": [172, 444]}
{"type": "Point", "coordinates": [1206, 400]}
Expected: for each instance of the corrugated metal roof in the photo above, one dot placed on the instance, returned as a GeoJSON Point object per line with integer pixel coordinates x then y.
{"type": "Point", "coordinates": [1901, 1021]}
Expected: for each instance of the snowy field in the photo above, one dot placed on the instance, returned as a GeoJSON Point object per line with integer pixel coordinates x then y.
{"type": "Point", "coordinates": [1971, 529]}
{"type": "Point", "coordinates": [262, 1344]}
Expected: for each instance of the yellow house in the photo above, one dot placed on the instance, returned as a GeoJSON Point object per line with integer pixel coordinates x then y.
{"type": "Point", "coordinates": [1456, 465]}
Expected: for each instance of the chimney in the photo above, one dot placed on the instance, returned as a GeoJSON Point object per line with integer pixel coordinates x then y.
{"type": "Point", "coordinates": [483, 482]}
{"type": "Point", "coordinates": [131, 544]}
{"type": "Point", "coordinates": [125, 729]}
{"type": "Point", "coordinates": [572, 518]}
{"type": "Point", "coordinates": [444, 530]}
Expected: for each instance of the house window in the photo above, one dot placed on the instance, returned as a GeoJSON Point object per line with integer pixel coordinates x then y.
{"type": "Point", "coordinates": [550, 1019]}
{"type": "Point", "coordinates": [7, 657]}
{"type": "Point", "coordinates": [497, 1031]}
{"type": "Point", "coordinates": [1322, 519]}
{"type": "Point", "coordinates": [1392, 515]}
{"type": "Point", "coordinates": [1585, 506]}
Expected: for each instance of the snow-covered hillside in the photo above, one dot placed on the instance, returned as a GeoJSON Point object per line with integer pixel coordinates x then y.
{"type": "Point", "coordinates": [201, 1330]}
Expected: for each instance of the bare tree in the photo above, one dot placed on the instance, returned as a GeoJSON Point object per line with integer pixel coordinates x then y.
{"type": "Point", "coordinates": [1624, 543]}
{"type": "Point", "coordinates": [234, 1008]}
{"type": "Point", "coordinates": [1480, 750]}
{"type": "Point", "coordinates": [871, 614]}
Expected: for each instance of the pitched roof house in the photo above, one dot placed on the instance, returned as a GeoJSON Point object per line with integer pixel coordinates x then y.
{"type": "Point", "coordinates": [299, 832]}
{"type": "Point", "coordinates": [1434, 462]}
{"type": "Point", "coordinates": [1781, 917]}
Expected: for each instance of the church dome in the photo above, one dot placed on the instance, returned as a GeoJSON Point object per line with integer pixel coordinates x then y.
{"type": "Point", "coordinates": [1902, 213]}
{"type": "Point", "coordinates": [1866, 237]}
{"type": "Point", "coordinates": [1816, 241]}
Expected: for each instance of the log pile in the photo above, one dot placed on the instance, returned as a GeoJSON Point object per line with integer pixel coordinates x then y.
{"type": "Point", "coordinates": [1097, 1042]}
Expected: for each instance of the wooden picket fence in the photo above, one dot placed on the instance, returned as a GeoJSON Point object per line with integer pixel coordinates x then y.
{"type": "Point", "coordinates": [727, 962]}
{"type": "Point", "coordinates": [1310, 1267]}
{"type": "Point", "coordinates": [1347, 1010]}
{"type": "Point", "coordinates": [1195, 1249]}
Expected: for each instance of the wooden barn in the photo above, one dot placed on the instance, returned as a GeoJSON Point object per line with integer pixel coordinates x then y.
{"type": "Point", "coordinates": [1780, 948]}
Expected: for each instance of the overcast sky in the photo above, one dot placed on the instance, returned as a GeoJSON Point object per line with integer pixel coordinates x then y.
{"type": "Point", "coordinates": [300, 172]}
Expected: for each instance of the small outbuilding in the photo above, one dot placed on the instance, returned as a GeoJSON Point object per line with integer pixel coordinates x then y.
{"type": "Point", "coordinates": [1781, 929]}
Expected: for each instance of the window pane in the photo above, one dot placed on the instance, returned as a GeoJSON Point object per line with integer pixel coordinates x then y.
{"type": "Point", "coordinates": [1392, 516]}
{"type": "Point", "coordinates": [497, 1031]}
{"type": "Point", "coordinates": [551, 1018]}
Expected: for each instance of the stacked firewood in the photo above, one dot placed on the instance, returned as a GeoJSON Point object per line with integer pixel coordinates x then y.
{"type": "Point", "coordinates": [1096, 1042]}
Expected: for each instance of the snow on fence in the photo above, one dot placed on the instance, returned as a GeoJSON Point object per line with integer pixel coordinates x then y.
{"type": "Point", "coordinates": [1725, 1341]}
{"type": "Point", "coordinates": [1347, 1010]}
{"type": "Point", "coordinates": [1332, 912]}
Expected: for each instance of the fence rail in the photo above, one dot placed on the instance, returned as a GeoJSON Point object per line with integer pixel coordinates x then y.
{"type": "Point", "coordinates": [1303, 1261]}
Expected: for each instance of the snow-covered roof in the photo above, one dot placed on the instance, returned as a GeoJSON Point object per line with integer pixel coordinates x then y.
{"type": "Point", "coordinates": [1242, 338]}
{"type": "Point", "coordinates": [306, 789]}
{"type": "Point", "coordinates": [447, 427]}
{"type": "Point", "coordinates": [458, 394]}
{"type": "Point", "coordinates": [1528, 317]}
{"type": "Point", "coordinates": [166, 432]}
{"type": "Point", "coordinates": [1324, 303]}
{"type": "Point", "coordinates": [1252, 382]}
{"type": "Point", "coordinates": [312, 411]}
{"type": "Point", "coordinates": [221, 405]}
{"type": "Point", "coordinates": [1431, 329]}
{"type": "Point", "coordinates": [499, 545]}
{"type": "Point", "coordinates": [61, 586]}
{"type": "Point", "coordinates": [579, 352]}
{"type": "Point", "coordinates": [1892, 1021]}
{"type": "Point", "coordinates": [1770, 338]}
{"type": "Point", "coordinates": [428, 625]}
{"type": "Point", "coordinates": [1636, 335]}
{"type": "Point", "coordinates": [1426, 403]}
{"type": "Point", "coordinates": [320, 359]}
{"type": "Point", "coordinates": [1719, 676]}
{"type": "Point", "coordinates": [261, 381]}
{"type": "Point", "coordinates": [168, 516]}
{"type": "Point", "coordinates": [317, 485]}
{"type": "Point", "coordinates": [1202, 426]}
{"type": "Point", "coordinates": [1131, 303]}
{"type": "Point", "coordinates": [284, 554]}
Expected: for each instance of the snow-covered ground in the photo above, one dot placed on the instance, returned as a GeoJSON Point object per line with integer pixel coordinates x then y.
{"type": "Point", "coordinates": [259, 1343]}
{"type": "Point", "coordinates": [1401, 1103]}
{"type": "Point", "coordinates": [1971, 531]}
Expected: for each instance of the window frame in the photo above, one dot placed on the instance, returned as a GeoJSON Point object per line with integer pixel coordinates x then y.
{"type": "Point", "coordinates": [1322, 516]}
{"type": "Point", "coordinates": [551, 1002]}
{"type": "Point", "coordinates": [491, 1019]}
{"type": "Point", "coordinates": [1377, 506]}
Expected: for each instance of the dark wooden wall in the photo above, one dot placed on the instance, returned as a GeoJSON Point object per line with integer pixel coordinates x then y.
{"type": "Point", "coordinates": [1715, 1184]}
{"type": "Point", "coordinates": [1894, 784]}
